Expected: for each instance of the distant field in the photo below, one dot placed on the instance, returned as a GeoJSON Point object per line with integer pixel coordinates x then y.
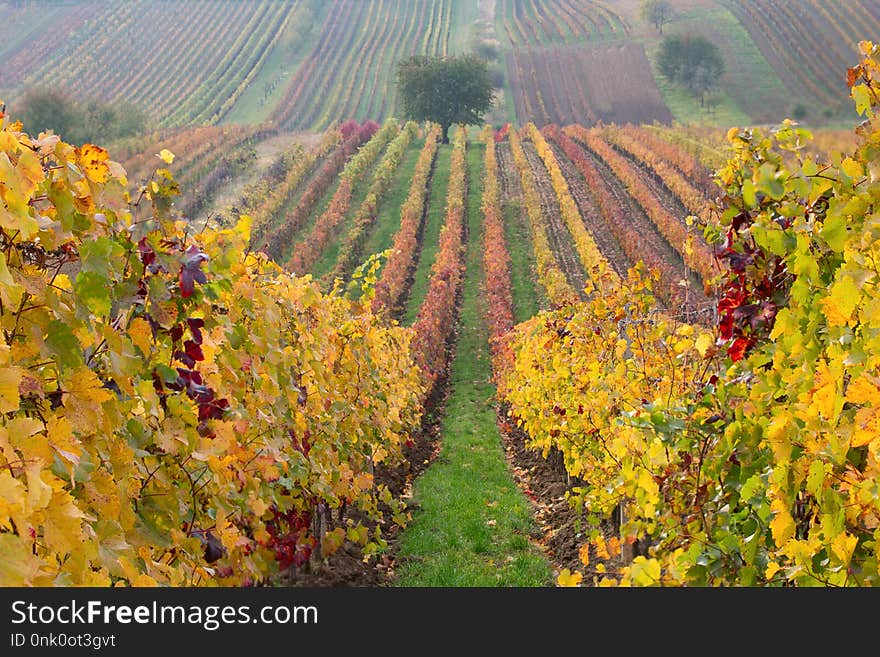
{"type": "Point", "coordinates": [306, 64]}
{"type": "Point", "coordinates": [810, 43]}
{"type": "Point", "coordinates": [608, 82]}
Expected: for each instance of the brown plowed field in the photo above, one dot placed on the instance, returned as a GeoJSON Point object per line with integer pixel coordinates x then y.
{"type": "Point", "coordinates": [557, 232]}
{"type": "Point", "coordinates": [609, 82]}
{"type": "Point", "coordinates": [592, 215]}
{"type": "Point", "coordinates": [696, 302]}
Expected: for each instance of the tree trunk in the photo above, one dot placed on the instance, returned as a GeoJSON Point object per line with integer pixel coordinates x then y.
{"type": "Point", "coordinates": [444, 127]}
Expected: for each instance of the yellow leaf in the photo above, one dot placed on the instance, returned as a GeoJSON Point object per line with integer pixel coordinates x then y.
{"type": "Point", "coordinates": [584, 554]}
{"type": "Point", "coordinates": [645, 572]}
{"type": "Point", "coordinates": [568, 578]}
{"type": "Point", "coordinates": [825, 395]}
{"type": "Point", "coordinates": [778, 435]}
{"type": "Point", "coordinates": [141, 334]}
{"type": "Point", "coordinates": [172, 436]}
{"type": "Point", "coordinates": [702, 343]}
{"type": "Point", "coordinates": [601, 549]}
{"type": "Point", "coordinates": [852, 168]}
{"type": "Point", "coordinates": [63, 525]}
{"type": "Point", "coordinates": [30, 168]}
{"type": "Point", "coordinates": [166, 156]}
{"type": "Point", "coordinates": [60, 436]}
{"type": "Point", "coordinates": [10, 379]}
{"type": "Point", "coordinates": [21, 434]}
{"type": "Point", "coordinates": [841, 301]}
{"type": "Point", "coordinates": [843, 546]}
{"type": "Point", "coordinates": [866, 427]}
{"type": "Point", "coordinates": [614, 546]}
{"type": "Point", "coordinates": [257, 505]}
{"type": "Point", "coordinates": [11, 498]}
{"type": "Point", "coordinates": [863, 390]}
{"type": "Point", "coordinates": [332, 541]}
{"type": "Point", "coordinates": [94, 161]}
{"type": "Point", "coordinates": [83, 396]}
{"type": "Point", "coordinates": [782, 526]}
{"type": "Point", "coordinates": [772, 569]}
{"type": "Point", "coordinates": [144, 581]}
{"type": "Point", "coordinates": [39, 492]}
{"type": "Point", "coordinates": [19, 566]}
{"type": "Point", "coordinates": [363, 481]}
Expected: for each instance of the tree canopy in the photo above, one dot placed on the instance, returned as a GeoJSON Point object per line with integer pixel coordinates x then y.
{"type": "Point", "coordinates": [691, 61]}
{"type": "Point", "coordinates": [445, 90]}
{"type": "Point", "coordinates": [657, 12]}
{"type": "Point", "coordinates": [78, 122]}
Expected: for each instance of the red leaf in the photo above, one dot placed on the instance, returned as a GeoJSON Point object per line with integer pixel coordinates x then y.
{"type": "Point", "coordinates": [193, 350]}
{"type": "Point", "coordinates": [738, 349]}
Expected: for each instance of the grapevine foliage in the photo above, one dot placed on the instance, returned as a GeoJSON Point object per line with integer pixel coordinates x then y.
{"type": "Point", "coordinates": [175, 409]}
{"type": "Point", "coordinates": [748, 455]}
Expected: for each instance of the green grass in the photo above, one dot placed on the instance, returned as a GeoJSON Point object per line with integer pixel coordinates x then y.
{"type": "Point", "coordinates": [388, 212]}
{"type": "Point", "coordinates": [288, 52]}
{"type": "Point", "coordinates": [306, 226]}
{"type": "Point", "coordinates": [750, 90]}
{"type": "Point", "coordinates": [751, 80]}
{"type": "Point", "coordinates": [431, 237]}
{"type": "Point", "coordinates": [461, 35]}
{"type": "Point", "coordinates": [527, 297]}
{"type": "Point", "coordinates": [329, 255]}
{"type": "Point", "coordinates": [471, 525]}
{"type": "Point", "coordinates": [686, 108]}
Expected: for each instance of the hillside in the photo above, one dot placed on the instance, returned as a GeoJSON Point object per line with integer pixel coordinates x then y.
{"type": "Point", "coordinates": [304, 64]}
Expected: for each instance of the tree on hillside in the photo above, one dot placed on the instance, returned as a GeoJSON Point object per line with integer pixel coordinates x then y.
{"type": "Point", "coordinates": [445, 90]}
{"type": "Point", "coordinates": [691, 61]}
{"type": "Point", "coordinates": [44, 109]}
{"type": "Point", "coordinates": [657, 12]}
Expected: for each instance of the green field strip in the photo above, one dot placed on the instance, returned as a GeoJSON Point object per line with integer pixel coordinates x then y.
{"type": "Point", "coordinates": [387, 222]}
{"type": "Point", "coordinates": [357, 62]}
{"type": "Point", "coordinates": [368, 67]}
{"type": "Point", "coordinates": [321, 88]}
{"type": "Point", "coordinates": [430, 242]}
{"type": "Point", "coordinates": [288, 52]}
{"type": "Point", "coordinates": [27, 27]}
{"type": "Point", "coordinates": [431, 34]}
{"type": "Point", "coordinates": [250, 61]}
{"type": "Point", "coordinates": [236, 73]}
{"type": "Point", "coordinates": [381, 101]}
{"type": "Point", "coordinates": [750, 81]}
{"type": "Point", "coordinates": [306, 226]}
{"type": "Point", "coordinates": [288, 108]}
{"type": "Point", "coordinates": [528, 298]}
{"type": "Point", "coordinates": [686, 108]}
{"type": "Point", "coordinates": [325, 263]}
{"type": "Point", "coordinates": [471, 524]}
{"type": "Point", "coordinates": [442, 32]}
{"type": "Point", "coordinates": [464, 18]}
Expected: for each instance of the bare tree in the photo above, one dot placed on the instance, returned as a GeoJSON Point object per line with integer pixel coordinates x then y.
{"type": "Point", "coordinates": [657, 12]}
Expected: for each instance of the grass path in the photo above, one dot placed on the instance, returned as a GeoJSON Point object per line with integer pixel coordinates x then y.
{"type": "Point", "coordinates": [388, 211]}
{"type": "Point", "coordinates": [471, 524]}
{"type": "Point", "coordinates": [436, 212]}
